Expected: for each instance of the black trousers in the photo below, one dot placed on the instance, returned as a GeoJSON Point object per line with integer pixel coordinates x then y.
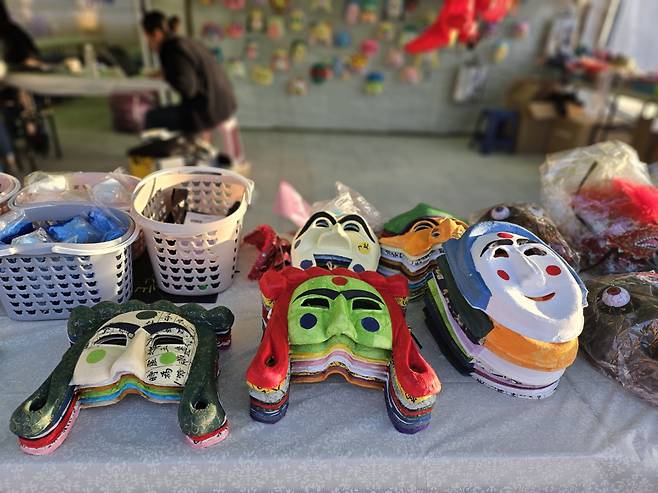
{"type": "Point", "coordinates": [168, 117]}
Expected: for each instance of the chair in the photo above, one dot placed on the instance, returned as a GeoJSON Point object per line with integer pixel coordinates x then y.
{"type": "Point", "coordinates": [496, 130]}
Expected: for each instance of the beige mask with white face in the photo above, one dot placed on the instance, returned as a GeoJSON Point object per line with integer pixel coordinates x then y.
{"type": "Point", "coordinates": [156, 347]}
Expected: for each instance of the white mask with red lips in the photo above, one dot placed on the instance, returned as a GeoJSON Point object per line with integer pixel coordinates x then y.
{"type": "Point", "coordinates": [533, 292]}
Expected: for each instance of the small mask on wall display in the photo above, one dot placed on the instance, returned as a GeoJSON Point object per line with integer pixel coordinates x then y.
{"type": "Point", "coordinates": [320, 73]}
{"type": "Point", "coordinates": [395, 58]}
{"type": "Point", "coordinates": [297, 21]}
{"type": "Point", "coordinates": [386, 31]}
{"type": "Point", "coordinates": [256, 21]}
{"type": "Point", "coordinates": [370, 47]}
{"type": "Point", "coordinates": [298, 51]}
{"type": "Point", "coordinates": [276, 28]}
{"type": "Point", "coordinates": [280, 7]}
{"type": "Point", "coordinates": [370, 11]}
{"type": "Point", "coordinates": [280, 61]}
{"type": "Point", "coordinates": [263, 76]}
{"type": "Point", "coordinates": [352, 12]}
{"type": "Point", "coordinates": [212, 32]}
{"type": "Point", "coordinates": [501, 51]}
{"type": "Point", "coordinates": [234, 30]}
{"type": "Point", "coordinates": [358, 63]}
{"type": "Point", "coordinates": [297, 86]}
{"type": "Point", "coordinates": [251, 50]}
{"type": "Point", "coordinates": [321, 33]}
{"type": "Point", "coordinates": [321, 6]}
{"type": "Point", "coordinates": [342, 38]}
{"type": "Point", "coordinates": [394, 9]}
{"type": "Point", "coordinates": [236, 68]}
{"type": "Point", "coordinates": [327, 240]}
{"type": "Point", "coordinates": [411, 75]}
{"type": "Point", "coordinates": [374, 83]}
{"type": "Point", "coordinates": [234, 4]}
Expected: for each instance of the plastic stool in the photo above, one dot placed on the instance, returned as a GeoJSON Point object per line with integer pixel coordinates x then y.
{"type": "Point", "coordinates": [496, 130]}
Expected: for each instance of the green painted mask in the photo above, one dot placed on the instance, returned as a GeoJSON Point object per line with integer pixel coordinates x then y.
{"type": "Point", "coordinates": [336, 307]}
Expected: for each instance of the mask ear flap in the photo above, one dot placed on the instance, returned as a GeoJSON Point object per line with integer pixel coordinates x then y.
{"type": "Point", "coordinates": [415, 376]}
{"type": "Point", "coordinates": [273, 284]}
{"type": "Point", "coordinates": [270, 365]}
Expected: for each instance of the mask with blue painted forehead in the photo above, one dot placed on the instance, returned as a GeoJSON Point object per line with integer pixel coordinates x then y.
{"type": "Point", "coordinates": [510, 274]}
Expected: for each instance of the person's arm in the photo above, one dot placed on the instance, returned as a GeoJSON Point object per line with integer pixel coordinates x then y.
{"type": "Point", "coordinates": [179, 72]}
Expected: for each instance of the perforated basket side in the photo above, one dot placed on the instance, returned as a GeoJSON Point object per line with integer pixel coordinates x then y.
{"type": "Point", "coordinates": [50, 286]}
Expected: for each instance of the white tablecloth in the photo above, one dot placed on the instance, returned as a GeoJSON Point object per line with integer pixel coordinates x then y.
{"type": "Point", "coordinates": [71, 85]}
{"type": "Point", "coordinates": [590, 436]}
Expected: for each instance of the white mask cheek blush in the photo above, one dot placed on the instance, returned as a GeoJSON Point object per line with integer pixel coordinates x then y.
{"type": "Point", "coordinates": [532, 290]}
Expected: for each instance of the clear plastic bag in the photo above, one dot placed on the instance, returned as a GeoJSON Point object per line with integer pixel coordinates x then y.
{"type": "Point", "coordinates": [349, 201]}
{"type": "Point", "coordinates": [602, 198]}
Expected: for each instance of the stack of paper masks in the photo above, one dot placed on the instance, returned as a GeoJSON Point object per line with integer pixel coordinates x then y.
{"type": "Point", "coordinates": [321, 322]}
{"type": "Point", "coordinates": [413, 242]}
{"type": "Point", "coordinates": [165, 353]}
{"type": "Point", "coordinates": [621, 330]}
{"type": "Point", "coordinates": [506, 309]}
{"type": "Point", "coordinates": [328, 240]}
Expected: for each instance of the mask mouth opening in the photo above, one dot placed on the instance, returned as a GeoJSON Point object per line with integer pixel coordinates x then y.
{"type": "Point", "coordinates": [332, 261]}
{"type": "Point", "coordinates": [546, 297]}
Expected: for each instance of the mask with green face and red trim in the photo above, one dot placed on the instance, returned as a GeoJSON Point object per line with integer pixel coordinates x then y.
{"type": "Point", "coordinates": [320, 322]}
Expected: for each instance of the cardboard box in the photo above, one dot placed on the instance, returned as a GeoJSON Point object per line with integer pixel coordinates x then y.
{"type": "Point", "coordinates": [535, 127]}
{"type": "Point", "coordinates": [569, 133]}
{"type": "Point", "coordinates": [645, 139]}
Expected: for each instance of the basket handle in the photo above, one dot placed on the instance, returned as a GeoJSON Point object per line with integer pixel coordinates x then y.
{"type": "Point", "coordinates": [65, 250]}
{"type": "Point", "coordinates": [191, 170]}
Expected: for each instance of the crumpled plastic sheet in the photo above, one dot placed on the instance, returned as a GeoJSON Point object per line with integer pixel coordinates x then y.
{"type": "Point", "coordinates": [349, 201]}
{"type": "Point", "coordinates": [291, 205]}
{"type": "Point", "coordinates": [114, 190]}
{"type": "Point", "coordinates": [623, 341]}
{"type": "Point", "coordinates": [602, 199]}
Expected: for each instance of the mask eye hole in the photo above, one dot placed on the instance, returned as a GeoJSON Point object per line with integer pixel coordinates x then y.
{"type": "Point", "coordinates": [615, 297]}
{"type": "Point", "coordinates": [365, 304]}
{"type": "Point", "coordinates": [322, 223]}
{"type": "Point", "coordinates": [421, 226]}
{"type": "Point", "coordinates": [500, 213]}
{"type": "Point", "coordinates": [113, 340]}
{"type": "Point", "coordinates": [352, 227]}
{"type": "Point", "coordinates": [167, 340]}
{"type": "Point", "coordinates": [534, 251]}
{"type": "Point", "coordinates": [500, 253]}
{"type": "Point", "coordinates": [316, 303]}
{"type": "Point", "coordinates": [436, 233]}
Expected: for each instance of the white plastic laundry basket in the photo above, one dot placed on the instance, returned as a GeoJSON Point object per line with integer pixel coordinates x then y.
{"type": "Point", "coordinates": [9, 187]}
{"type": "Point", "coordinates": [45, 281]}
{"type": "Point", "coordinates": [193, 259]}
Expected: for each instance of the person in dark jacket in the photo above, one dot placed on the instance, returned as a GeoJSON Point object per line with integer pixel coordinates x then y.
{"type": "Point", "coordinates": [207, 98]}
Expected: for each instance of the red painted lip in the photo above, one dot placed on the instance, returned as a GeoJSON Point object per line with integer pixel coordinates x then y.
{"type": "Point", "coordinates": [546, 297]}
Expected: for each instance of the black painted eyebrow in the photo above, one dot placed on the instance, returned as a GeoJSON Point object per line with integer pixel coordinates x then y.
{"type": "Point", "coordinates": [360, 293]}
{"type": "Point", "coordinates": [127, 326]}
{"type": "Point", "coordinates": [313, 218]}
{"type": "Point", "coordinates": [496, 243]}
{"type": "Point", "coordinates": [358, 219]}
{"type": "Point", "coordinates": [158, 326]}
{"type": "Point", "coordinates": [328, 293]}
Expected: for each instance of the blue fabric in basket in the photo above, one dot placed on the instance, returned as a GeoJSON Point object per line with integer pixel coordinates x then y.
{"type": "Point", "coordinates": [108, 224]}
{"type": "Point", "coordinates": [75, 230]}
{"type": "Point", "coordinates": [15, 229]}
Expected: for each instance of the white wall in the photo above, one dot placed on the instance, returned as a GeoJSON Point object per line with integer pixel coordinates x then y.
{"type": "Point", "coordinates": [341, 105]}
